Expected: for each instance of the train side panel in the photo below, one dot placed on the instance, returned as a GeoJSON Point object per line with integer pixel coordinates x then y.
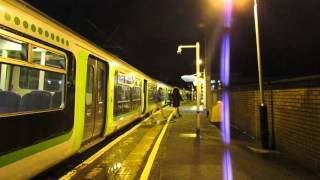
{"type": "Point", "coordinates": [27, 24]}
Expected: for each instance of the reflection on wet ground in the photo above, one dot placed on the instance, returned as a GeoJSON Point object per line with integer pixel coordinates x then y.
{"type": "Point", "coordinates": [227, 165]}
{"type": "Point", "coordinates": [126, 159]}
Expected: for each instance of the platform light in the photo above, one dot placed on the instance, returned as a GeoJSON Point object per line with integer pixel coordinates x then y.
{"type": "Point", "coordinates": [179, 51]}
{"type": "Point", "coordinates": [188, 135]}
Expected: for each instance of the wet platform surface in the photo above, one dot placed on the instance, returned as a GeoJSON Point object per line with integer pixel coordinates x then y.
{"type": "Point", "coordinates": [183, 156]}
{"type": "Point", "coordinates": [125, 159]}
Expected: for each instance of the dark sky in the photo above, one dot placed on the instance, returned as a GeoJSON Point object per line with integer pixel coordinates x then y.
{"type": "Point", "coordinates": [146, 33]}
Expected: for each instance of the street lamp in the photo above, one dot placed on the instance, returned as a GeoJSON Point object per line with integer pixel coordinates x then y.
{"type": "Point", "coordinates": [198, 62]}
{"type": "Point", "coordinates": [263, 107]}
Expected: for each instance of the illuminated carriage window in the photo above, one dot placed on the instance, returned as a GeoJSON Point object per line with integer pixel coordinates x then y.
{"type": "Point", "coordinates": [136, 94]}
{"type": "Point", "coordinates": [28, 89]}
{"type": "Point", "coordinates": [152, 93]}
{"type": "Point", "coordinates": [14, 49]}
{"type": "Point", "coordinates": [47, 58]}
{"type": "Point", "coordinates": [127, 94]}
{"type": "Point", "coordinates": [25, 87]}
{"type": "Point", "coordinates": [122, 95]}
{"type": "Point", "coordinates": [29, 78]}
{"type": "Point", "coordinates": [50, 81]}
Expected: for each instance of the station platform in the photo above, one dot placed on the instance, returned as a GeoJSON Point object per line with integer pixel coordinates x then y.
{"type": "Point", "coordinates": [160, 149]}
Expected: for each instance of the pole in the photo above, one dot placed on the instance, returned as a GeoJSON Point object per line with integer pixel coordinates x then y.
{"type": "Point", "coordinates": [192, 95]}
{"type": "Point", "coordinates": [204, 90]}
{"type": "Point", "coordinates": [198, 87]}
{"type": "Point", "coordinates": [207, 66]}
{"type": "Point", "coordinates": [263, 107]}
{"type": "Point", "coordinates": [197, 46]}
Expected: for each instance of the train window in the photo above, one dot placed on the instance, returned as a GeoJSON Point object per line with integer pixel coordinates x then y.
{"type": "Point", "coordinates": [53, 81]}
{"type": "Point", "coordinates": [29, 78]}
{"type": "Point", "coordinates": [127, 94]}
{"type": "Point", "coordinates": [101, 86]}
{"type": "Point", "coordinates": [27, 89]}
{"type": "Point", "coordinates": [152, 93]}
{"type": "Point", "coordinates": [11, 48]}
{"type": "Point", "coordinates": [136, 97]}
{"type": "Point", "coordinates": [39, 79]}
{"type": "Point", "coordinates": [90, 81]}
{"type": "Point", "coordinates": [120, 78]}
{"type": "Point", "coordinates": [129, 79]}
{"type": "Point", "coordinates": [116, 77]}
{"type": "Point", "coordinates": [48, 58]}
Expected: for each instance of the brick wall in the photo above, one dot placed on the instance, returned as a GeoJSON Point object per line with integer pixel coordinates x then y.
{"type": "Point", "coordinates": [295, 113]}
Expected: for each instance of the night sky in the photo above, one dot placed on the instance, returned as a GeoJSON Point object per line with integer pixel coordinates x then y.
{"type": "Point", "coordinates": [146, 33]}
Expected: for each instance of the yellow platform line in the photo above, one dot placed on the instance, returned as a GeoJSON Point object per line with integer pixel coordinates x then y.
{"type": "Point", "coordinates": [147, 169]}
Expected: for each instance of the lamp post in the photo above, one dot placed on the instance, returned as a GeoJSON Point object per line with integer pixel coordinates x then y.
{"type": "Point", "coordinates": [263, 108]}
{"type": "Point", "coordinates": [198, 62]}
{"type": "Point", "coordinates": [202, 80]}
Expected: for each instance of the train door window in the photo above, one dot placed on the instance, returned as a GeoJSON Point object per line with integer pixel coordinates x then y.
{"type": "Point", "coordinates": [12, 48]}
{"type": "Point", "coordinates": [90, 105]}
{"type": "Point", "coordinates": [101, 85]}
{"type": "Point", "coordinates": [101, 99]}
{"type": "Point", "coordinates": [90, 81]}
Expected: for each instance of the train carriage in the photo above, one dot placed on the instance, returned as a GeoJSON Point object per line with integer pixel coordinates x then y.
{"type": "Point", "coordinates": [59, 93]}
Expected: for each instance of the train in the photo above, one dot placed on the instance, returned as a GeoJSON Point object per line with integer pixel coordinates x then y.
{"type": "Point", "coordinates": [60, 94]}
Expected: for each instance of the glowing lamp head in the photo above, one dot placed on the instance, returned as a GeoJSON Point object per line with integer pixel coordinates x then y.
{"type": "Point", "coordinates": [179, 51]}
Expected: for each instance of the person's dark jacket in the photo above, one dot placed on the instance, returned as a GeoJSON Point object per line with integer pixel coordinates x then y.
{"type": "Point", "coordinates": [176, 98]}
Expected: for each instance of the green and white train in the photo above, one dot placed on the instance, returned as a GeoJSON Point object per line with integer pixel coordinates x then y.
{"type": "Point", "coordinates": [59, 93]}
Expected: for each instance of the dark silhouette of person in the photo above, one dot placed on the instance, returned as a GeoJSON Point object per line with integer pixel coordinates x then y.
{"type": "Point", "coordinates": [176, 98]}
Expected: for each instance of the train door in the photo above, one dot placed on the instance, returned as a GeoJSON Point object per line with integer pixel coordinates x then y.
{"type": "Point", "coordinates": [100, 110]}
{"type": "Point", "coordinates": [95, 99]}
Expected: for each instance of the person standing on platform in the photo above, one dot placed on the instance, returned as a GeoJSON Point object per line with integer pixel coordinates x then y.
{"type": "Point", "coordinates": [159, 99]}
{"type": "Point", "coordinates": [176, 98]}
{"type": "Point", "coordinates": [170, 98]}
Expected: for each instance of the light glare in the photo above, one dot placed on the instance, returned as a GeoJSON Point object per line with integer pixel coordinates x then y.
{"type": "Point", "coordinates": [114, 64]}
{"type": "Point", "coordinates": [227, 165]}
